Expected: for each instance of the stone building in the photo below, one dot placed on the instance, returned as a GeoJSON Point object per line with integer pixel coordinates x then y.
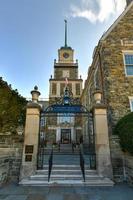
{"type": "Point", "coordinates": [111, 70]}
{"type": "Point", "coordinates": [65, 75]}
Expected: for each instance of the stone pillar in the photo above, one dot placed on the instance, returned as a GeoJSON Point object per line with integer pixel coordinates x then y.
{"type": "Point", "coordinates": [103, 158]}
{"type": "Point", "coordinates": [31, 136]}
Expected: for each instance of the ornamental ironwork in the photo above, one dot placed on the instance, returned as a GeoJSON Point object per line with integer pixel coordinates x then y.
{"type": "Point", "coordinates": [66, 104]}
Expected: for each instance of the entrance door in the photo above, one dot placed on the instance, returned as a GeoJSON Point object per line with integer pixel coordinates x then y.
{"type": "Point", "coordinates": [65, 136]}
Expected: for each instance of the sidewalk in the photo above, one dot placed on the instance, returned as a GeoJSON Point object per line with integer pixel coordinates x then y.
{"type": "Point", "coordinates": [15, 192]}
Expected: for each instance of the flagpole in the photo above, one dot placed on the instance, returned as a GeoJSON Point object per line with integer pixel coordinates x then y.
{"type": "Point", "coordinates": [65, 33]}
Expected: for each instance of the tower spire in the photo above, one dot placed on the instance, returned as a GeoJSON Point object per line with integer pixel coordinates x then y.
{"type": "Point", "coordinates": [65, 33]}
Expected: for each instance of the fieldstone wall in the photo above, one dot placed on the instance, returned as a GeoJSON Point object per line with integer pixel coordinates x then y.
{"type": "Point", "coordinates": [122, 162]}
{"type": "Point", "coordinates": [117, 159]}
{"type": "Point", "coordinates": [117, 86]}
{"type": "Point", "coordinates": [4, 169]}
{"type": "Point", "coordinates": [129, 168]}
{"type": "Point", "coordinates": [10, 157]}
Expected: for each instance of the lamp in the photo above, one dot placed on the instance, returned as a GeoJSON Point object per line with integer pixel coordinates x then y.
{"type": "Point", "coordinates": [98, 96]}
{"type": "Point", "coordinates": [35, 94]}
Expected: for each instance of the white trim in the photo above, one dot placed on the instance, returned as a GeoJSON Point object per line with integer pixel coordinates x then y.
{"type": "Point", "coordinates": [131, 102]}
{"type": "Point", "coordinates": [126, 52]}
{"type": "Point", "coordinates": [117, 21]}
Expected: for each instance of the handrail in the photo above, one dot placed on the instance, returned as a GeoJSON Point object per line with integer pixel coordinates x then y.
{"type": "Point", "coordinates": [82, 164]}
{"type": "Point", "coordinates": [50, 164]}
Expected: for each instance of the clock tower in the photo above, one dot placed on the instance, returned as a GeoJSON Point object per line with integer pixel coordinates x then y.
{"type": "Point", "coordinates": [65, 68]}
{"type": "Point", "coordinates": [65, 79]}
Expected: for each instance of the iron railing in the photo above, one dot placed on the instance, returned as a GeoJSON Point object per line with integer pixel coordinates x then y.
{"type": "Point", "coordinates": [82, 164]}
{"type": "Point", "coordinates": [92, 158]}
{"type": "Point", "coordinates": [40, 158]}
{"type": "Point", "coordinates": [50, 164]}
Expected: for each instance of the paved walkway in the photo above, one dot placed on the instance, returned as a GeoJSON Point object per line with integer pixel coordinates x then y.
{"type": "Point", "coordinates": [15, 192]}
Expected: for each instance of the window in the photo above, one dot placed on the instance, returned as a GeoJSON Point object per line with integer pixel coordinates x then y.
{"type": "Point", "coordinates": [128, 61]}
{"type": "Point", "coordinates": [54, 89]}
{"type": "Point", "coordinates": [66, 118]}
{"type": "Point", "coordinates": [70, 87]}
{"type": "Point", "coordinates": [131, 103]}
{"type": "Point", "coordinates": [62, 88]}
{"type": "Point", "coordinates": [77, 88]}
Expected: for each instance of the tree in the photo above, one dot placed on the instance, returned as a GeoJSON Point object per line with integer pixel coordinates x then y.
{"type": "Point", "coordinates": [12, 108]}
{"type": "Point", "coordinates": [124, 128]}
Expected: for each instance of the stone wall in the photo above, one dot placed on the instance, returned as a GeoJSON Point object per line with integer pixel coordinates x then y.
{"type": "Point", "coordinates": [122, 162]}
{"type": "Point", "coordinates": [117, 159]}
{"type": "Point", "coordinates": [10, 157]}
{"type": "Point", "coordinates": [128, 161]}
{"type": "Point", "coordinates": [107, 71]}
{"type": "Point", "coordinates": [4, 169]}
{"type": "Point", "coordinates": [117, 86]}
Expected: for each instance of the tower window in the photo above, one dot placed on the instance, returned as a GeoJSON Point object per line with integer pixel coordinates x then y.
{"type": "Point", "coordinates": [70, 87]}
{"type": "Point", "coordinates": [128, 61]}
{"type": "Point", "coordinates": [54, 88]}
{"type": "Point", "coordinates": [62, 88]}
{"type": "Point", "coordinates": [77, 88]}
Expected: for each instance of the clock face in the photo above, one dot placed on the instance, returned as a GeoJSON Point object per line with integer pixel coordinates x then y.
{"type": "Point", "coordinates": [65, 55]}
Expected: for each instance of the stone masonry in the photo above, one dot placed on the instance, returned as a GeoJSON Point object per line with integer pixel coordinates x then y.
{"type": "Point", "coordinates": [107, 73]}
{"type": "Point", "coordinates": [10, 157]}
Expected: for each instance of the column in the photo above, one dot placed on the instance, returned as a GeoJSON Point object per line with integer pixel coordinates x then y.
{"type": "Point", "coordinates": [103, 158]}
{"type": "Point", "coordinates": [30, 149]}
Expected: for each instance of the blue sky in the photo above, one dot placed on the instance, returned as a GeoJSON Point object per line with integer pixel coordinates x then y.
{"type": "Point", "coordinates": [31, 32]}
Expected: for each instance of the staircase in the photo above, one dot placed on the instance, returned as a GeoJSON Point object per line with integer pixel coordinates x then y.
{"type": "Point", "coordinates": [66, 170]}
{"type": "Point", "coordinates": [66, 175]}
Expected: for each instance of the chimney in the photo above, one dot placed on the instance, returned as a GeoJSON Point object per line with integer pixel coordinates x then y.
{"type": "Point", "coordinates": [128, 2]}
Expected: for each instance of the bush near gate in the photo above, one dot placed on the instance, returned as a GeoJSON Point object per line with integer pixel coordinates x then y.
{"type": "Point", "coordinates": [124, 128]}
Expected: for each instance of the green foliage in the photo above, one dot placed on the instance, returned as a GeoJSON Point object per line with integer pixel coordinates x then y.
{"type": "Point", "coordinates": [124, 129]}
{"type": "Point", "coordinates": [12, 108]}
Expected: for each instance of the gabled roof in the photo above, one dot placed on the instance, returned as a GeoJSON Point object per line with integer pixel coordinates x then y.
{"type": "Point", "coordinates": [116, 22]}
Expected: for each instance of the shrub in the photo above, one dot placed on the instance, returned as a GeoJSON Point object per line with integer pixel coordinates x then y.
{"type": "Point", "coordinates": [124, 128]}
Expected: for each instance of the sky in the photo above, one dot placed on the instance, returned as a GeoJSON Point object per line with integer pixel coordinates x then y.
{"type": "Point", "coordinates": [32, 31]}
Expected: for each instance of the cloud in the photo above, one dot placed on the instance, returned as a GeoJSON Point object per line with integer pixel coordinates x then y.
{"type": "Point", "coordinates": [97, 10]}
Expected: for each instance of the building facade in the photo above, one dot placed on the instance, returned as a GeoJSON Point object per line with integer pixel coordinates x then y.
{"type": "Point", "coordinates": [111, 70]}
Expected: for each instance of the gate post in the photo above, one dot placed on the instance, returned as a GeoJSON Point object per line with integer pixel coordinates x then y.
{"type": "Point", "coordinates": [103, 158]}
{"type": "Point", "coordinates": [31, 136]}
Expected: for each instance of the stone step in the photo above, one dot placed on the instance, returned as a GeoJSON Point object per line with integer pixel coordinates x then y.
{"type": "Point", "coordinates": [61, 172]}
{"type": "Point", "coordinates": [98, 182]}
{"type": "Point", "coordinates": [64, 177]}
{"type": "Point", "coordinates": [66, 171]}
{"type": "Point", "coordinates": [59, 167]}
